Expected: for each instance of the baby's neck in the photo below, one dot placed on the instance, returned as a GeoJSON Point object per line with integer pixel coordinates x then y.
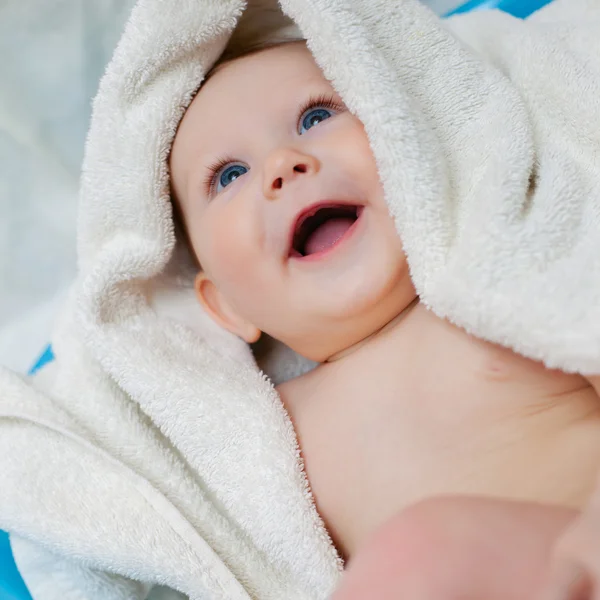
{"type": "Point", "coordinates": [423, 409]}
{"type": "Point", "coordinates": [370, 338]}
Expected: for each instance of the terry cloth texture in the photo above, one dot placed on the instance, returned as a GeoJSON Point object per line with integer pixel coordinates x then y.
{"type": "Point", "coordinates": [158, 452]}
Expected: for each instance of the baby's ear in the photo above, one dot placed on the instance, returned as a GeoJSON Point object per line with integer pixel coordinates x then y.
{"type": "Point", "coordinates": [216, 305]}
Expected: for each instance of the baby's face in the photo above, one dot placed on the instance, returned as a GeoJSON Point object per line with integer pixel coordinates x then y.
{"type": "Point", "coordinates": [280, 193]}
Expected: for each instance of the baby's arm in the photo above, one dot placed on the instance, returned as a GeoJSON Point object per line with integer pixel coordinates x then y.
{"type": "Point", "coordinates": [595, 382]}
{"type": "Point", "coordinates": [579, 547]}
{"type": "Point", "coordinates": [576, 556]}
{"type": "Point", "coordinates": [458, 548]}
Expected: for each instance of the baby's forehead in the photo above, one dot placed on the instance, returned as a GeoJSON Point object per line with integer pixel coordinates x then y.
{"type": "Point", "coordinates": [255, 84]}
{"type": "Point", "coordinates": [281, 66]}
{"type": "Point", "coordinates": [259, 54]}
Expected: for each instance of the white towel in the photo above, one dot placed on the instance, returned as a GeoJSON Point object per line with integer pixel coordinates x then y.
{"type": "Point", "coordinates": [158, 453]}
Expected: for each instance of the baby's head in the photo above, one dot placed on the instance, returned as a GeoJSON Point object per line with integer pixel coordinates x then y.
{"type": "Point", "coordinates": [280, 196]}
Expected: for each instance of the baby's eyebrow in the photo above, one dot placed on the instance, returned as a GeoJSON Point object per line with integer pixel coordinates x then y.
{"type": "Point", "coordinates": [316, 85]}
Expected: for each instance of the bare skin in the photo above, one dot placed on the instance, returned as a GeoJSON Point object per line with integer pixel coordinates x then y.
{"type": "Point", "coordinates": [453, 548]}
{"type": "Point", "coordinates": [439, 413]}
{"type": "Point", "coordinates": [464, 549]}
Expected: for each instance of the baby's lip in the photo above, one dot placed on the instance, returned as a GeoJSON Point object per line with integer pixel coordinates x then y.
{"type": "Point", "coordinates": [309, 211]}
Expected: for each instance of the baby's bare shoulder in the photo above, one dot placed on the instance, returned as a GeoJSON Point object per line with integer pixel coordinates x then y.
{"type": "Point", "coordinates": [305, 390]}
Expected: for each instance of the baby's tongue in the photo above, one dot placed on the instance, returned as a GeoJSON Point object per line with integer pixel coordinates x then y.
{"type": "Point", "coordinates": [327, 234]}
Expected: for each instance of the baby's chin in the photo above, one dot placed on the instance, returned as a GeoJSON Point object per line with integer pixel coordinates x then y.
{"type": "Point", "coordinates": [282, 361]}
{"type": "Point", "coordinates": [329, 330]}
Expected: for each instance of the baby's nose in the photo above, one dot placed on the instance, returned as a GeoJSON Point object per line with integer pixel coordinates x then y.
{"type": "Point", "coordinates": [284, 166]}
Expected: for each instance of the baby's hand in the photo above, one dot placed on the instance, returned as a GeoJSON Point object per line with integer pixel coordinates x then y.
{"type": "Point", "coordinates": [575, 574]}
{"type": "Point", "coordinates": [459, 548]}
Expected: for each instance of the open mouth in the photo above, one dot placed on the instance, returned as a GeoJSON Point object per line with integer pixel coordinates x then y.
{"type": "Point", "coordinates": [321, 227]}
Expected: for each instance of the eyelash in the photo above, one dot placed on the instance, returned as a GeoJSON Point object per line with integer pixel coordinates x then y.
{"type": "Point", "coordinates": [324, 100]}
{"type": "Point", "coordinates": [213, 170]}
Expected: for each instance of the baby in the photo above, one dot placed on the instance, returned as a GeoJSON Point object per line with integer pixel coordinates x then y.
{"type": "Point", "coordinates": [279, 193]}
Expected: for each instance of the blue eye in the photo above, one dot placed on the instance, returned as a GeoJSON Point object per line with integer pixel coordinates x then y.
{"type": "Point", "coordinates": [313, 117]}
{"type": "Point", "coordinates": [229, 175]}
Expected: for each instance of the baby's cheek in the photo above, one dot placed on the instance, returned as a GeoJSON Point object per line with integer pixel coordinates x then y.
{"type": "Point", "coordinates": [237, 264]}
{"type": "Point", "coordinates": [232, 248]}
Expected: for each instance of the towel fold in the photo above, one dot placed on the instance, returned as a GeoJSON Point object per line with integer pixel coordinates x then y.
{"type": "Point", "coordinates": [158, 453]}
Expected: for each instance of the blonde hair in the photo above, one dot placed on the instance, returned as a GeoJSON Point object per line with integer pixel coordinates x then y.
{"type": "Point", "coordinates": [261, 26]}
